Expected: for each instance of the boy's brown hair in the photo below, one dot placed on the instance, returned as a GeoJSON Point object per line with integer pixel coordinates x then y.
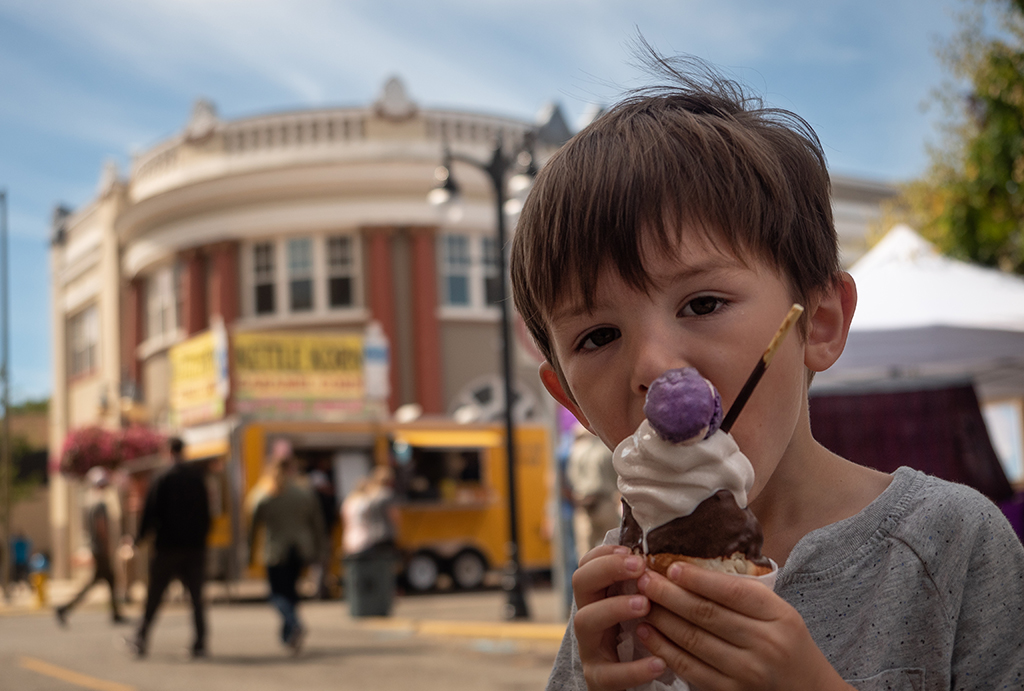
{"type": "Point", "coordinates": [700, 154]}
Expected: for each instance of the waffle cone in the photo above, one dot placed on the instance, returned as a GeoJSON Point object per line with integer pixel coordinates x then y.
{"type": "Point", "coordinates": [736, 563]}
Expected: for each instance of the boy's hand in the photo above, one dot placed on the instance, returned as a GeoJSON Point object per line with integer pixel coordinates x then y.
{"type": "Point", "coordinates": [723, 633]}
{"type": "Point", "coordinates": [599, 613]}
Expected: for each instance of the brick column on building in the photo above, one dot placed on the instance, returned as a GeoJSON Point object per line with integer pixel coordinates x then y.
{"type": "Point", "coordinates": [224, 301]}
{"type": "Point", "coordinates": [426, 328]}
{"type": "Point", "coordinates": [133, 331]}
{"type": "Point", "coordinates": [224, 281]}
{"type": "Point", "coordinates": [193, 292]}
{"type": "Point", "coordinates": [380, 293]}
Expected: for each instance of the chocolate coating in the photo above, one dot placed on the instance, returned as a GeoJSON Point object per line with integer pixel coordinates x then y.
{"type": "Point", "coordinates": [681, 404]}
{"type": "Point", "coordinates": [718, 527]}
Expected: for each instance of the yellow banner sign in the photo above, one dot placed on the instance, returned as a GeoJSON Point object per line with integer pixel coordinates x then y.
{"type": "Point", "coordinates": [195, 397]}
{"type": "Point", "coordinates": [298, 367]}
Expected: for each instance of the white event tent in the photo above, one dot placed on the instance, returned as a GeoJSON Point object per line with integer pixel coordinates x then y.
{"type": "Point", "coordinates": [924, 318]}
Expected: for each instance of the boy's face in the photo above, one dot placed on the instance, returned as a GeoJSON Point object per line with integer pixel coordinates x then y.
{"type": "Point", "coordinates": [706, 309]}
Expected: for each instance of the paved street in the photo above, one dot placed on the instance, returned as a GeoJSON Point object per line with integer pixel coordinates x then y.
{"type": "Point", "coordinates": [438, 641]}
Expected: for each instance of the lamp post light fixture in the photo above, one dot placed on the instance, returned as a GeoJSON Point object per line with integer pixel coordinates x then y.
{"type": "Point", "coordinates": [497, 169]}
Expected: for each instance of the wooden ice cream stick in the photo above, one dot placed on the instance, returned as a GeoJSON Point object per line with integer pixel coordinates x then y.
{"type": "Point", "coordinates": [748, 388]}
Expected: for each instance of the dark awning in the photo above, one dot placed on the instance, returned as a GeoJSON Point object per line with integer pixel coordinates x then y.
{"type": "Point", "coordinates": [937, 430]}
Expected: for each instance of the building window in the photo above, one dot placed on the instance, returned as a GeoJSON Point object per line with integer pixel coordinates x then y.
{"type": "Point", "coordinates": [163, 301]}
{"type": "Point", "coordinates": [305, 276]}
{"type": "Point", "coordinates": [300, 274]}
{"type": "Point", "coordinates": [470, 271]}
{"type": "Point", "coordinates": [83, 339]}
{"type": "Point", "coordinates": [340, 272]}
{"type": "Point", "coordinates": [263, 273]}
{"type": "Point", "coordinates": [456, 265]}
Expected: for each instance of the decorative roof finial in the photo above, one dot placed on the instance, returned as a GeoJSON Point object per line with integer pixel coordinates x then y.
{"type": "Point", "coordinates": [393, 102]}
{"type": "Point", "coordinates": [203, 121]}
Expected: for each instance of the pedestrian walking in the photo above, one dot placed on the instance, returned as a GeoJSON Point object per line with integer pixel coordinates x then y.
{"type": "Point", "coordinates": [177, 514]}
{"type": "Point", "coordinates": [293, 538]}
{"type": "Point", "coordinates": [99, 526]}
{"type": "Point", "coordinates": [323, 490]}
{"type": "Point", "coordinates": [370, 520]}
{"type": "Point", "coordinates": [595, 492]}
{"type": "Point", "coordinates": [21, 549]}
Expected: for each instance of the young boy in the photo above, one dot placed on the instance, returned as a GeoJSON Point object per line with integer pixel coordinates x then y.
{"type": "Point", "coordinates": [677, 230]}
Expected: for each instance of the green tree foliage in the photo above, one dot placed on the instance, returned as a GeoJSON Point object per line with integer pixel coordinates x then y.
{"type": "Point", "coordinates": [28, 463]}
{"type": "Point", "coordinates": [24, 478]}
{"type": "Point", "coordinates": [971, 201]}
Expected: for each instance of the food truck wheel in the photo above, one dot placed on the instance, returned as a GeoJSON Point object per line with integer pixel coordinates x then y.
{"type": "Point", "coordinates": [421, 571]}
{"type": "Point", "coordinates": [468, 569]}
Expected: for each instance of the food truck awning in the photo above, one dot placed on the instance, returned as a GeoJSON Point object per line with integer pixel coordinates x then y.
{"type": "Point", "coordinates": [451, 439]}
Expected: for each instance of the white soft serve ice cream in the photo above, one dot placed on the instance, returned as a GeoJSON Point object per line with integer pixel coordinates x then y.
{"type": "Point", "coordinates": [662, 481]}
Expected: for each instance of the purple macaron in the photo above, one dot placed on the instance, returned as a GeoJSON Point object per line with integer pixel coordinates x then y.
{"type": "Point", "coordinates": [681, 404]}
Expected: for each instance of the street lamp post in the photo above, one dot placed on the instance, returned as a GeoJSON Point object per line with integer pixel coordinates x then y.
{"type": "Point", "coordinates": [497, 169]}
{"type": "Point", "coordinates": [5, 450]}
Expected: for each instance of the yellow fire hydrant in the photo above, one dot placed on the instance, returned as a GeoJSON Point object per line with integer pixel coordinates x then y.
{"type": "Point", "coordinates": [39, 580]}
{"type": "Point", "coordinates": [39, 577]}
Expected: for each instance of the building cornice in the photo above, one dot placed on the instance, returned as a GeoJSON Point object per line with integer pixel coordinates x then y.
{"type": "Point", "coordinates": [302, 137]}
{"type": "Point", "coordinates": [292, 217]}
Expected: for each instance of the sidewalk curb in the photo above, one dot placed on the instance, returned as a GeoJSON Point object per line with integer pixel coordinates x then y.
{"type": "Point", "coordinates": [468, 629]}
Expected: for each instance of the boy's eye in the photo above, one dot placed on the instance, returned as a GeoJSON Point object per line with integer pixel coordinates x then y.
{"type": "Point", "coordinates": [700, 306]}
{"type": "Point", "coordinates": [598, 337]}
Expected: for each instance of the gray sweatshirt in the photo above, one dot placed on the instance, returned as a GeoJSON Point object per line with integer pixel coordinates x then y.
{"type": "Point", "coordinates": [922, 590]}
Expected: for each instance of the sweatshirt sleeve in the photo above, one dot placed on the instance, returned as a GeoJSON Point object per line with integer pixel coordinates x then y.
{"type": "Point", "coordinates": [567, 672]}
{"type": "Point", "coordinates": [988, 651]}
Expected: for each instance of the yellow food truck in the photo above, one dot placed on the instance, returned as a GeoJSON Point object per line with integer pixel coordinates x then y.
{"type": "Point", "coordinates": [308, 389]}
{"type": "Point", "coordinates": [451, 487]}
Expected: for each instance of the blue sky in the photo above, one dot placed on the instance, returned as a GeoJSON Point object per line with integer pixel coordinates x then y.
{"type": "Point", "coordinates": [86, 81]}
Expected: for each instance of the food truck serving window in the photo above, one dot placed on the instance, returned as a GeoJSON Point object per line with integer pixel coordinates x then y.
{"type": "Point", "coordinates": [440, 475]}
{"type": "Point", "coordinates": [445, 467]}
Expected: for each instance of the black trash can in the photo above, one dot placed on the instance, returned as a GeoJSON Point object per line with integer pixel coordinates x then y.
{"type": "Point", "coordinates": [370, 582]}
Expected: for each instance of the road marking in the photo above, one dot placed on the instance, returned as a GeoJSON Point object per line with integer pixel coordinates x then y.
{"type": "Point", "coordinates": [72, 677]}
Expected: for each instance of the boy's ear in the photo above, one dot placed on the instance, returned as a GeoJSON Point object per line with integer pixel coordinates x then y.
{"type": "Point", "coordinates": [829, 325]}
{"type": "Point", "coordinates": [553, 383]}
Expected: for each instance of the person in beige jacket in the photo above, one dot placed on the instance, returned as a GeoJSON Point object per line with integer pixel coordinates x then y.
{"type": "Point", "coordinates": [293, 538]}
{"type": "Point", "coordinates": [595, 493]}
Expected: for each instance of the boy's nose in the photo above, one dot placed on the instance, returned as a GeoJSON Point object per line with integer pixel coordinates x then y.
{"type": "Point", "coordinates": [653, 356]}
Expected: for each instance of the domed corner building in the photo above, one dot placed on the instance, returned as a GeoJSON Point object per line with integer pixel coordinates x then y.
{"type": "Point", "coordinates": [227, 289]}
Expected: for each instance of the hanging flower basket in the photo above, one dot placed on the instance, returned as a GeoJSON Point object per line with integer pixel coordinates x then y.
{"type": "Point", "coordinates": [138, 441]}
{"type": "Point", "coordinates": [89, 447]}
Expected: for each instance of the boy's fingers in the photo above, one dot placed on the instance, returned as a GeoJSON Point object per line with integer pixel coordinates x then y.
{"type": "Point", "coordinates": [592, 579]}
{"type": "Point", "coordinates": [686, 665]}
{"type": "Point", "coordinates": [684, 615]}
{"type": "Point", "coordinates": [600, 551]}
{"type": "Point", "coordinates": [593, 622]}
{"type": "Point", "coordinates": [745, 596]}
{"type": "Point", "coordinates": [692, 639]}
{"type": "Point", "coordinates": [622, 675]}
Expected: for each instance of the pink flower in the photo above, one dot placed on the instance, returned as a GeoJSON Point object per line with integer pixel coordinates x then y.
{"type": "Point", "coordinates": [89, 447]}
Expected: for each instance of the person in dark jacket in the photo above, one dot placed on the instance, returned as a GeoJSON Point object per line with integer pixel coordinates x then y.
{"type": "Point", "coordinates": [177, 513]}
